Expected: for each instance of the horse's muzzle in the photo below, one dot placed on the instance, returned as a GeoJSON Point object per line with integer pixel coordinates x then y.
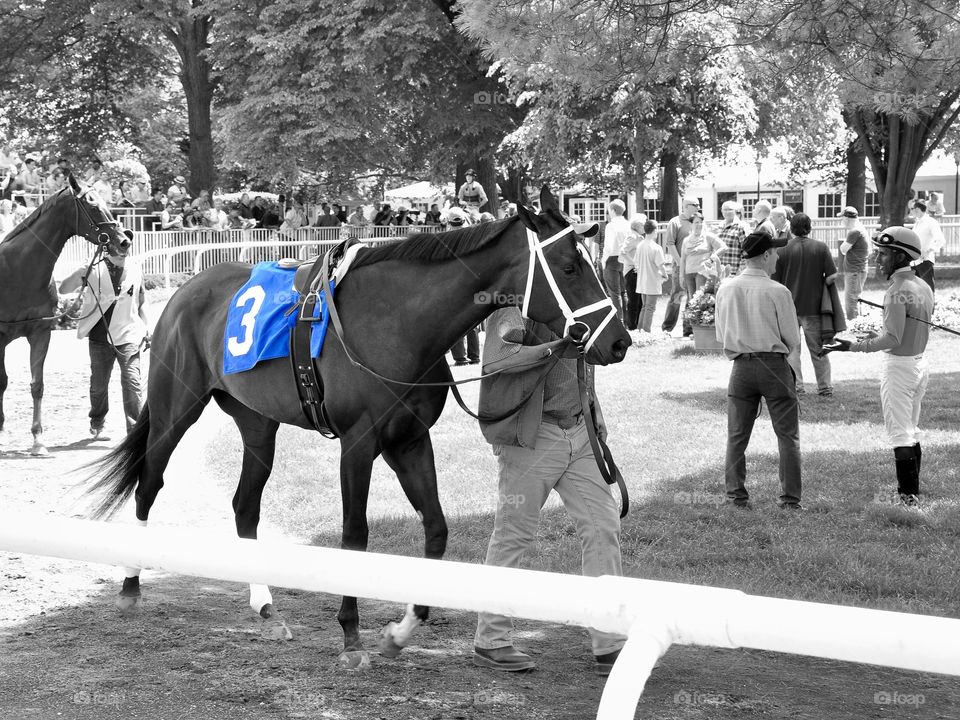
{"type": "Point", "coordinates": [619, 350]}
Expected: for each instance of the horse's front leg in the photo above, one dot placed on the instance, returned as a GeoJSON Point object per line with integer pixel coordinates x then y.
{"type": "Point", "coordinates": [414, 465]}
{"type": "Point", "coordinates": [358, 450]}
{"type": "Point", "coordinates": [39, 344]}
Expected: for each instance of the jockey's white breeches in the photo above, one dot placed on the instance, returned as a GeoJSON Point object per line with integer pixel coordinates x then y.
{"type": "Point", "coordinates": [903, 383]}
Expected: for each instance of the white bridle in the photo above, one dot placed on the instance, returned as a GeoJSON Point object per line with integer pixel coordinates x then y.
{"type": "Point", "coordinates": [536, 255]}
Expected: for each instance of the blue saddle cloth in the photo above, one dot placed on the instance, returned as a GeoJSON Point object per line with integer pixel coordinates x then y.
{"type": "Point", "coordinates": [258, 326]}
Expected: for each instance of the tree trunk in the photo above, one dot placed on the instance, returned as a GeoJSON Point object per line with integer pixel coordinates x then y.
{"type": "Point", "coordinates": [190, 38]}
{"type": "Point", "coordinates": [856, 175]}
{"type": "Point", "coordinates": [670, 187]}
{"type": "Point", "coordinates": [894, 157]}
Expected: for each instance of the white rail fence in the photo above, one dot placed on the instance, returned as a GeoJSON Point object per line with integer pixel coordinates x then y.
{"type": "Point", "coordinates": [172, 251]}
{"type": "Point", "coordinates": [654, 615]}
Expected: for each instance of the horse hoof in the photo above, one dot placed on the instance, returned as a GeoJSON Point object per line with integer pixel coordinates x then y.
{"type": "Point", "coordinates": [39, 450]}
{"type": "Point", "coordinates": [128, 603]}
{"type": "Point", "coordinates": [274, 626]}
{"type": "Point", "coordinates": [357, 660]}
{"type": "Point", "coordinates": [387, 645]}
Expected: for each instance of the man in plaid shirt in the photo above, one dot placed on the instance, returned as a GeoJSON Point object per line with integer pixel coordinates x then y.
{"type": "Point", "coordinates": [731, 235]}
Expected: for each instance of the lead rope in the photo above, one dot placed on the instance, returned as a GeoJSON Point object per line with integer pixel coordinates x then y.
{"type": "Point", "coordinates": [601, 452]}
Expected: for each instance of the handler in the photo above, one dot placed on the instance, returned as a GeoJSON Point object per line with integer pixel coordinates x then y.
{"type": "Point", "coordinates": [543, 446]}
{"type": "Point", "coordinates": [757, 323]}
{"type": "Point", "coordinates": [905, 372]}
{"type": "Point", "coordinates": [114, 318]}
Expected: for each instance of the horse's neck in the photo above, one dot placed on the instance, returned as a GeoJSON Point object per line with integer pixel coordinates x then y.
{"type": "Point", "coordinates": [31, 252]}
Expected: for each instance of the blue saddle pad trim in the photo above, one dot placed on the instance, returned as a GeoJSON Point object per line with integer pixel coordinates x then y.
{"type": "Point", "coordinates": [258, 326]}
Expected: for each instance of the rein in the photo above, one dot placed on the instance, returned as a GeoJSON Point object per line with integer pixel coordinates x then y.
{"type": "Point", "coordinates": [912, 317]}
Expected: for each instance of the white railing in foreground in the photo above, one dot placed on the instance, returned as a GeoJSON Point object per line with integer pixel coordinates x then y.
{"type": "Point", "coordinates": [652, 614]}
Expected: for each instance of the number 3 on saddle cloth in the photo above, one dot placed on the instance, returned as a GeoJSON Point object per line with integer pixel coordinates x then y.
{"type": "Point", "coordinates": [261, 316]}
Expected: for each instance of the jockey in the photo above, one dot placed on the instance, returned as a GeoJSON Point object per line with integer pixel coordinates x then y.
{"type": "Point", "coordinates": [471, 196]}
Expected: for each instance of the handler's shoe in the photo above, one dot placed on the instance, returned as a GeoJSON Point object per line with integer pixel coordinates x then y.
{"type": "Point", "coordinates": [99, 434]}
{"type": "Point", "coordinates": [909, 500]}
{"type": "Point", "coordinates": [605, 662]}
{"type": "Point", "coordinates": [506, 658]}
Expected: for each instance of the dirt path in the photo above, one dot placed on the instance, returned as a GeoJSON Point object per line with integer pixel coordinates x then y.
{"type": "Point", "coordinates": [196, 651]}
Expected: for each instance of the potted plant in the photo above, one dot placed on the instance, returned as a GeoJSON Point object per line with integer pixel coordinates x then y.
{"type": "Point", "coordinates": [700, 314]}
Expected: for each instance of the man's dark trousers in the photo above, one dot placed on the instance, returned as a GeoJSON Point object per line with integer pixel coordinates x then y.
{"type": "Point", "coordinates": [634, 302]}
{"type": "Point", "coordinates": [767, 376]}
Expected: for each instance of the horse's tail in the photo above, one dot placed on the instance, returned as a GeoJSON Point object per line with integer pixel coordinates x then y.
{"type": "Point", "coordinates": [120, 470]}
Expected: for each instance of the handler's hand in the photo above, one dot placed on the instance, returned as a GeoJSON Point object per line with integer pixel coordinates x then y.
{"type": "Point", "coordinates": [837, 345]}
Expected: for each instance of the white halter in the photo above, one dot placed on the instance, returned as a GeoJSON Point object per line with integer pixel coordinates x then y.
{"type": "Point", "coordinates": [536, 255]}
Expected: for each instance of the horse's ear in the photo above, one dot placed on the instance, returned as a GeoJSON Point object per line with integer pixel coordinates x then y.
{"type": "Point", "coordinates": [547, 200]}
{"type": "Point", "coordinates": [527, 217]}
{"type": "Point", "coordinates": [74, 185]}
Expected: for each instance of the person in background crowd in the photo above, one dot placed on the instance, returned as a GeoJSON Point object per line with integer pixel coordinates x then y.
{"type": "Point", "coordinates": [761, 218]}
{"type": "Point", "coordinates": [542, 447]}
{"type": "Point", "coordinates": [758, 326]}
{"type": "Point", "coordinates": [155, 207]}
{"type": "Point", "coordinates": [471, 195]}
{"type": "Point", "coordinates": [65, 166]}
{"type": "Point", "coordinates": [121, 196]}
{"type": "Point", "coordinates": [115, 320]}
{"type": "Point", "coordinates": [325, 218]}
{"type": "Point", "coordinates": [456, 218]}
{"type": "Point", "coordinates": [100, 184]}
{"type": "Point", "coordinates": [202, 203]}
{"type": "Point", "coordinates": [402, 218]}
{"type": "Point", "coordinates": [486, 217]}
{"type": "Point", "coordinates": [780, 219]}
{"type": "Point", "coordinates": [177, 192]}
{"type": "Point", "coordinates": [258, 210]}
{"type": "Point", "coordinates": [628, 259]}
{"type": "Point", "coordinates": [935, 206]}
{"type": "Point", "coordinates": [853, 254]}
{"type": "Point", "coordinates": [433, 215]}
{"type": "Point", "coordinates": [140, 192]}
{"type": "Point", "coordinates": [192, 220]}
{"type": "Point", "coordinates": [805, 266]}
{"type": "Point", "coordinates": [731, 235]}
{"type": "Point", "coordinates": [384, 216]}
{"type": "Point", "coordinates": [699, 260]}
{"type": "Point", "coordinates": [904, 374]}
{"type": "Point", "coordinates": [217, 217]}
{"type": "Point", "coordinates": [614, 236]}
{"type": "Point", "coordinates": [294, 218]}
{"type": "Point", "coordinates": [677, 231]}
{"type": "Point", "coordinates": [7, 218]}
{"type": "Point", "coordinates": [55, 182]}
{"type": "Point", "coordinates": [29, 181]}
{"type": "Point", "coordinates": [651, 270]}
{"type": "Point", "coordinates": [511, 210]}
{"type": "Point", "coordinates": [340, 213]}
{"type": "Point", "coordinates": [8, 157]}
{"type": "Point", "coordinates": [931, 242]}
{"type": "Point", "coordinates": [357, 218]}
{"type": "Point", "coordinates": [244, 207]}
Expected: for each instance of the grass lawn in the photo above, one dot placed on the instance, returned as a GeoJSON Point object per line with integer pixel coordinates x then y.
{"type": "Point", "coordinates": [665, 408]}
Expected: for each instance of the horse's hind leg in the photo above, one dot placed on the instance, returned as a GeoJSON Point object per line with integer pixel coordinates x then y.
{"type": "Point", "coordinates": [172, 407]}
{"type": "Point", "coordinates": [259, 441]}
{"type": "Point", "coordinates": [39, 344]}
{"type": "Point", "coordinates": [358, 450]}
{"type": "Point", "coordinates": [414, 465]}
{"type": "Point", "coordinates": [3, 388]}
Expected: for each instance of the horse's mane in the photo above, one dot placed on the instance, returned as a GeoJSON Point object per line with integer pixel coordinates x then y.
{"type": "Point", "coordinates": [30, 220]}
{"type": "Point", "coordinates": [436, 247]}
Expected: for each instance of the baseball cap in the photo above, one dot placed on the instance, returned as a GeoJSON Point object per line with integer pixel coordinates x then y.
{"type": "Point", "coordinates": [850, 212]}
{"type": "Point", "coordinates": [757, 243]}
{"type": "Point", "coordinates": [899, 238]}
{"type": "Point", "coordinates": [471, 171]}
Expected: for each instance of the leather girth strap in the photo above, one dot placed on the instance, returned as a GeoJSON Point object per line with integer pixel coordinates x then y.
{"type": "Point", "coordinates": [305, 371]}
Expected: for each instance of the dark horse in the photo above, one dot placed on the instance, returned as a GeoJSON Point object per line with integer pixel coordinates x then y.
{"type": "Point", "coordinates": [28, 294]}
{"type": "Point", "coordinates": [402, 305]}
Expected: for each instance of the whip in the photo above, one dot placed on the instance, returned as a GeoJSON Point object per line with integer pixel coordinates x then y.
{"type": "Point", "coordinates": [914, 317]}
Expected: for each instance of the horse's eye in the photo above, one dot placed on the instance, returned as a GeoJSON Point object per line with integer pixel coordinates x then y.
{"type": "Point", "coordinates": [569, 269]}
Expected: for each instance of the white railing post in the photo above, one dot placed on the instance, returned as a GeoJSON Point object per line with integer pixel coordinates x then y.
{"type": "Point", "coordinates": [647, 641]}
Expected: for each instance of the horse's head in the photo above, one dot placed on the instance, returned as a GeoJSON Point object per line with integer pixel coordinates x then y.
{"type": "Point", "coordinates": [94, 221]}
{"type": "Point", "coordinates": [563, 290]}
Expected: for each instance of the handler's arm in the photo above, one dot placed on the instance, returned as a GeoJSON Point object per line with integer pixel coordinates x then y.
{"type": "Point", "coordinates": [72, 281]}
{"type": "Point", "coordinates": [894, 321]}
{"type": "Point", "coordinates": [503, 348]}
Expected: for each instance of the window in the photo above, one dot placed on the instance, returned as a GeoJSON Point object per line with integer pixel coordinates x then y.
{"type": "Point", "coordinates": [748, 204]}
{"type": "Point", "coordinates": [651, 208]}
{"type": "Point", "coordinates": [793, 198]}
{"type": "Point", "coordinates": [829, 205]}
{"type": "Point", "coordinates": [871, 204]}
{"type": "Point", "coordinates": [597, 211]}
{"type": "Point", "coordinates": [723, 197]}
{"type": "Point", "coordinates": [578, 208]}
